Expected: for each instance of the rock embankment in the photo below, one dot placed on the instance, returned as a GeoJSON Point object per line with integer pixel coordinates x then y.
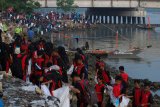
{"type": "Point", "coordinates": [17, 93]}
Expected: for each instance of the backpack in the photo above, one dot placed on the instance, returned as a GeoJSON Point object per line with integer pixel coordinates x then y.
{"type": "Point", "coordinates": [18, 66]}
{"type": "Point", "coordinates": [87, 94]}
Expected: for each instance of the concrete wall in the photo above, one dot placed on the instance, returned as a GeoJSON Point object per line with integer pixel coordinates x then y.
{"type": "Point", "coordinates": [109, 3]}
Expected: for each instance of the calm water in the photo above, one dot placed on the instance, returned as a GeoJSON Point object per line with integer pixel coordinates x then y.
{"type": "Point", "coordinates": [147, 66]}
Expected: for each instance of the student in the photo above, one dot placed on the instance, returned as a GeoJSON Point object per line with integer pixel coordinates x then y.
{"type": "Point", "coordinates": [123, 74]}
{"type": "Point", "coordinates": [136, 94]}
{"type": "Point", "coordinates": [19, 65]}
{"type": "Point", "coordinates": [79, 88]}
{"type": "Point", "coordinates": [99, 88]}
{"type": "Point", "coordinates": [38, 68]}
{"type": "Point", "coordinates": [117, 87]}
{"type": "Point", "coordinates": [103, 73]}
{"type": "Point", "coordinates": [79, 67]}
{"type": "Point", "coordinates": [124, 77]}
{"type": "Point", "coordinates": [65, 62]}
{"type": "Point", "coordinates": [98, 61]}
{"type": "Point", "coordinates": [56, 60]}
{"type": "Point", "coordinates": [146, 97]}
{"type": "Point", "coordinates": [51, 77]}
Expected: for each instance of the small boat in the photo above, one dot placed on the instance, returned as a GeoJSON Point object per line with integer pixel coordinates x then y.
{"type": "Point", "coordinates": [97, 52]}
{"type": "Point", "coordinates": [146, 27]}
{"type": "Point", "coordinates": [125, 54]}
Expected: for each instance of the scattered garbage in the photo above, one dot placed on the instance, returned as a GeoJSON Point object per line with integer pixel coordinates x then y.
{"type": "Point", "coordinates": [17, 93]}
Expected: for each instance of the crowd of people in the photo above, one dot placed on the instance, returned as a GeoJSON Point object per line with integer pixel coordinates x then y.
{"type": "Point", "coordinates": [42, 23]}
{"type": "Point", "coordinates": [41, 63]}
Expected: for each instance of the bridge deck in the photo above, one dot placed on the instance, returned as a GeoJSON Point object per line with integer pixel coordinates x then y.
{"type": "Point", "coordinates": [107, 3]}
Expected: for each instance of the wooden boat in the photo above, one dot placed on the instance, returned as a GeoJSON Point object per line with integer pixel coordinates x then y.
{"type": "Point", "coordinates": [97, 52]}
{"type": "Point", "coordinates": [146, 27]}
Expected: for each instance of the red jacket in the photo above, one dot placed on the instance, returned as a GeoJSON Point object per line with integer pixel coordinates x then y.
{"type": "Point", "coordinates": [99, 91]}
{"type": "Point", "coordinates": [145, 98]}
{"type": "Point", "coordinates": [40, 62]}
{"type": "Point", "coordinates": [117, 90]}
{"type": "Point", "coordinates": [136, 96]}
{"type": "Point", "coordinates": [124, 77]}
{"type": "Point", "coordinates": [106, 78]}
{"type": "Point", "coordinates": [78, 68]}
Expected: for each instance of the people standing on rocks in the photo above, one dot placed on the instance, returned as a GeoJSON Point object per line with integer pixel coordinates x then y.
{"type": "Point", "coordinates": [124, 77]}
{"type": "Point", "coordinates": [79, 67]}
{"type": "Point", "coordinates": [137, 91]}
{"type": "Point", "coordinates": [80, 88]}
{"type": "Point", "coordinates": [102, 72]}
{"type": "Point", "coordinates": [99, 89]}
{"type": "Point", "coordinates": [98, 62]}
{"type": "Point", "coordinates": [146, 96]}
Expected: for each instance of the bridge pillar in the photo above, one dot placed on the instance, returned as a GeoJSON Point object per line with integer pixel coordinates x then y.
{"type": "Point", "coordinates": [143, 19]}
{"type": "Point", "coordinates": [133, 20]}
{"type": "Point", "coordinates": [119, 19]}
{"type": "Point", "coordinates": [92, 19]}
{"type": "Point", "coordinates": [138, 20]}
{"type": "Point", "coordinates": [96, 18]}
{"type": "Point", "coordinates": [100, 19]}
{"type": "Point", "coordinates": [129, 20]}
{"type": "Point", "coordinates": [104, 19]}
{"type": "Point", "coordinates": [124, 19]}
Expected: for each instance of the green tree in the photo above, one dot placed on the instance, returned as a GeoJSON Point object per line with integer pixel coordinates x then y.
{"type": "Point", "coordinates": [19, 5]}
{"type": "Point", "coordinates": [66, 5]}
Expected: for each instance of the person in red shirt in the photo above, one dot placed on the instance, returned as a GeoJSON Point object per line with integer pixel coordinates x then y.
{"type": "Point", "coordinates": [136, 94]}
{"type": "Point", "coordinates": [124, 77]}
{"type": "Point", "coordinates": [99, 89]}
{"type": "Point", "coordinates": [103, 73]}
{"type": "Point", "coordinates": [79, 67]}
{"type": "Point", "coordinates": [123, 74]}
{"type": "Point", "coordinates": [117, 87]}
{"type": "Point", "coordinates": [146, 97]}
{"type": "Point", "coordinates": [38, 68]}
{"type": "Point", "coordinates": [98, 61]}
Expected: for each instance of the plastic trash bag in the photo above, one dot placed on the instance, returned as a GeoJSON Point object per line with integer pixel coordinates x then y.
{"type": "Point", "coordinates": [29, 67]}
{"type": "Point", "coordinates": [63, 95]}
{"type": "Point", "coordinates": [69, 72]}
{"type": "Point", "coordinates": [54, 67]}
{"type": "Point", "coordinates": [125, 102]}
{"type": "Point", "coordinates": [112, 81]}
{"type": "Point", "coordinates": [114, 100]}
{"type": "Point", "coordinates": [45, 90]}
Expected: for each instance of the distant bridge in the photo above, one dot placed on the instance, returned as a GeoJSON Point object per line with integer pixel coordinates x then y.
{"type": "Point", "coordinates": [107, 3]}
